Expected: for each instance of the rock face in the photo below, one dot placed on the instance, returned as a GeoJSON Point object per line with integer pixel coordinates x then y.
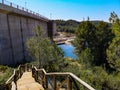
{"type": "Point", "coordinates": [27, 82]}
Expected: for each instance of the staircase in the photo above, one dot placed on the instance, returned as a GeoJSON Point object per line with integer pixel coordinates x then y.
{"type": "Point", "coordinates": [28, 77]}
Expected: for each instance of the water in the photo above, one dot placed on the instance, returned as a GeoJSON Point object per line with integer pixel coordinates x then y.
{"type": "Point", "coordinates": [68, 50]}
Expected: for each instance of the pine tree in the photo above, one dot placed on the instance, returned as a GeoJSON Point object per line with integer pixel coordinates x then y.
{"type": "Point", "coordinates": [113, 52]}
{"type": "Point", "coordinates": [43, 51]}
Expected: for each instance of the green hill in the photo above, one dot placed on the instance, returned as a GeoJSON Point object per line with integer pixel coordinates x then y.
{"type": "Point", "coordinates": [70, 26]}
{"type": "Point", "coordinates": [67, 26]}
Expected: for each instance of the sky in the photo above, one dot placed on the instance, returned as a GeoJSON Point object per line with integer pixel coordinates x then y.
{"type": "Point", "coordinates": [72, 9]}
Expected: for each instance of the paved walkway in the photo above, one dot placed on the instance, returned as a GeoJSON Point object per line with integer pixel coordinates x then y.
{"type": "Point", "coordinates": [27, 82]}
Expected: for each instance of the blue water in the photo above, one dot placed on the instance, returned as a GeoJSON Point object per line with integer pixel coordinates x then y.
{"type": "Point", "coordinates": [68, 50]}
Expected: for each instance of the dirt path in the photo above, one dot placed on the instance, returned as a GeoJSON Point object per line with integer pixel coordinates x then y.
{"type": "Point", "coordinates": [27, 82]}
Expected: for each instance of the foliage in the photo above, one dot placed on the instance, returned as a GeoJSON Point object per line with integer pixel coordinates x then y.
{"type": "Point", "coordinates": [104, 37]}
{"type": "Point", "coordinates": [68, 26]}
{"type": "Point", "coordinates": [71, 66]}
{"type": "Point", "coordinates": [92, 42]}
{"type": "Point", "coordinates": [113, 17]}
{"type": "Point", "coordinates": [85, 37]}
{"type": "Point", "coordinates": [113, 52]}
{"type": "Point", "coordinates": [96, 76]}
{"type": "Point", "coordinates": [86, 58]}
{"type": "Point", "coordinates": [96, 38]}
{"type": "Point", "coordinates": [116, 28]}
{"type": "Point", "coordinates": [44, 51]}
{"type": "Point", "coordinates": [5, 73]}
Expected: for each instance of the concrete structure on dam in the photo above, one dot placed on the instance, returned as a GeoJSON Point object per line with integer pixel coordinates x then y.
{"type": "Point", "coordinates": [16, 26]}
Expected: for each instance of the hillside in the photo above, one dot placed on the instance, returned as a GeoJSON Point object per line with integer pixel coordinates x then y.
{"type": "Point", "coordinates": [70, 26]}
{"type": "Point", "coordinates": [67, 26]}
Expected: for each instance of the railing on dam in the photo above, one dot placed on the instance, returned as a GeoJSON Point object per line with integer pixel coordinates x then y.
{"type": "Point", "coordinates": [50, 81]}
{"type": "Point", "coordinates": [21, 8]}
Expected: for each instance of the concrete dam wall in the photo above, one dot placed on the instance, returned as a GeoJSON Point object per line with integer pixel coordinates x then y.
{"type": "Point", "coordinates": [16, 26]}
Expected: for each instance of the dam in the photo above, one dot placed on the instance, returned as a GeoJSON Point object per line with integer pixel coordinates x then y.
{"type": "Point", "coordinates": [16, 26]}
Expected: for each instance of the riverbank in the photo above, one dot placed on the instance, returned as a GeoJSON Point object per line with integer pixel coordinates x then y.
{"type": "Point", "coordinates": [63, 39]}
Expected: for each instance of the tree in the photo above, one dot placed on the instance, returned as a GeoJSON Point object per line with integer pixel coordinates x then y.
{"type": "Point", "coordinates": [85, 37]}
{"type": "Point", "coordinates": [113, 52]}
{"type": "Point", "coordinates": [43, 51]}
{"type": "Point", "coordinates": [86, 58]}
{"type": "Point", "coordinates": [113, 17]}
{"type": "Point", "coordinates": [116, 28]}
{"type": "Point", "coordinates": [104, 37]}
{"type": "Point", "coordinates": [96, 38]}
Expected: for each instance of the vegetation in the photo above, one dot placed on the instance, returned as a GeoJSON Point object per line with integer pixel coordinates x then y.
{"type": "Point", "coordinates": [69, 26]}
{"type": "Point", "coordinates": [113, 52]}
{"type": "Point", "coordinates": [42, 50]}
{"type": "Point", "coordinates": [96, 45]}
{"type": "Point", "coordinates": [5, 73]}
{"type": "Point", "coordinates": [95, 76]}
{"type": "Point", "coordinates": [98, 49]}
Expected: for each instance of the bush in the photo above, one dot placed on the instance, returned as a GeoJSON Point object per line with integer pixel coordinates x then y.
{"type": "Point", "coordinates": [5, 73]}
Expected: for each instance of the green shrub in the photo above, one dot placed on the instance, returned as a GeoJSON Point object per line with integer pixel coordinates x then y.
{"type": "Point", "coordinates": [5, 73]}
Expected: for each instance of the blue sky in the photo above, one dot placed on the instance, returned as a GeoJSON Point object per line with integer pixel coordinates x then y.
{"type": "Point", "coordinates": [72, 9]}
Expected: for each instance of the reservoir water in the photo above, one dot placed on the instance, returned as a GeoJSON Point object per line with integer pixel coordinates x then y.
{"type": "Point", "coordinates": [68, 50]}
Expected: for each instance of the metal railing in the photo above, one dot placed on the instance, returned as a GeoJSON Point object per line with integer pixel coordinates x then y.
{"type": "Point", "coordinates": [5, 2]}
{"type": "Point", "coordinates": [50, 81]}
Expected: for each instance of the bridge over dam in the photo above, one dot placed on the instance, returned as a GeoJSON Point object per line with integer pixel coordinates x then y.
{"type": "Point", "coordinates": [16, 26]}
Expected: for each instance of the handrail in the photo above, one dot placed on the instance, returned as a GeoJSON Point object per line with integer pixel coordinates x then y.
{"type": "Point", "coordinates": [69, 76]}
{"type": "Point", "coordinates": [81, 81]}
{"type": "Point", "coordinates": [8, 81]}
{"type": "Point", "coordinates": [15, 76]}
{"type": "Point", "coordinates": [73, 76]}
{"type": "Point", "coordinates": [11, 4]}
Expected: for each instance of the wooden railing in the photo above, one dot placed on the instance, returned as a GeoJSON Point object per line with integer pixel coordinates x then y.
{"type": "Point", "coordinates": [50, 81]}
{"type": "Point", "coordinates": [59, 80]}
{"type": "Point", "coordinates": [16, 75]}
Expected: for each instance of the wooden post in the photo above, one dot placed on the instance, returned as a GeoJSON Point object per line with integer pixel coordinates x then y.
{"type": "Point", "coordinates": [43, 79]}
{"type": "Point", "coordinates": [69, 83]}
{"type": "Point", "coordinates": [36, 75]}
{"type": "Point", "coordinates": [33, 72]}
{"type": "Point", "coordinates": [46, 82]}
{"type": "Point", "coordinates": [8, 86]}
{"type": "Point", "coordinates": [15, 79]}
{"type": "Point", "coordinates": [25, 68]}
{"type": "Point", "coordinates": [20, 72]}
{"type": "Point", "coordinates": [54, 82]}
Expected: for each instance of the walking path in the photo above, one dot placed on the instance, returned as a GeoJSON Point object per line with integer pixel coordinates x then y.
{"type": "Point", "coordinates": [27, 82]}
